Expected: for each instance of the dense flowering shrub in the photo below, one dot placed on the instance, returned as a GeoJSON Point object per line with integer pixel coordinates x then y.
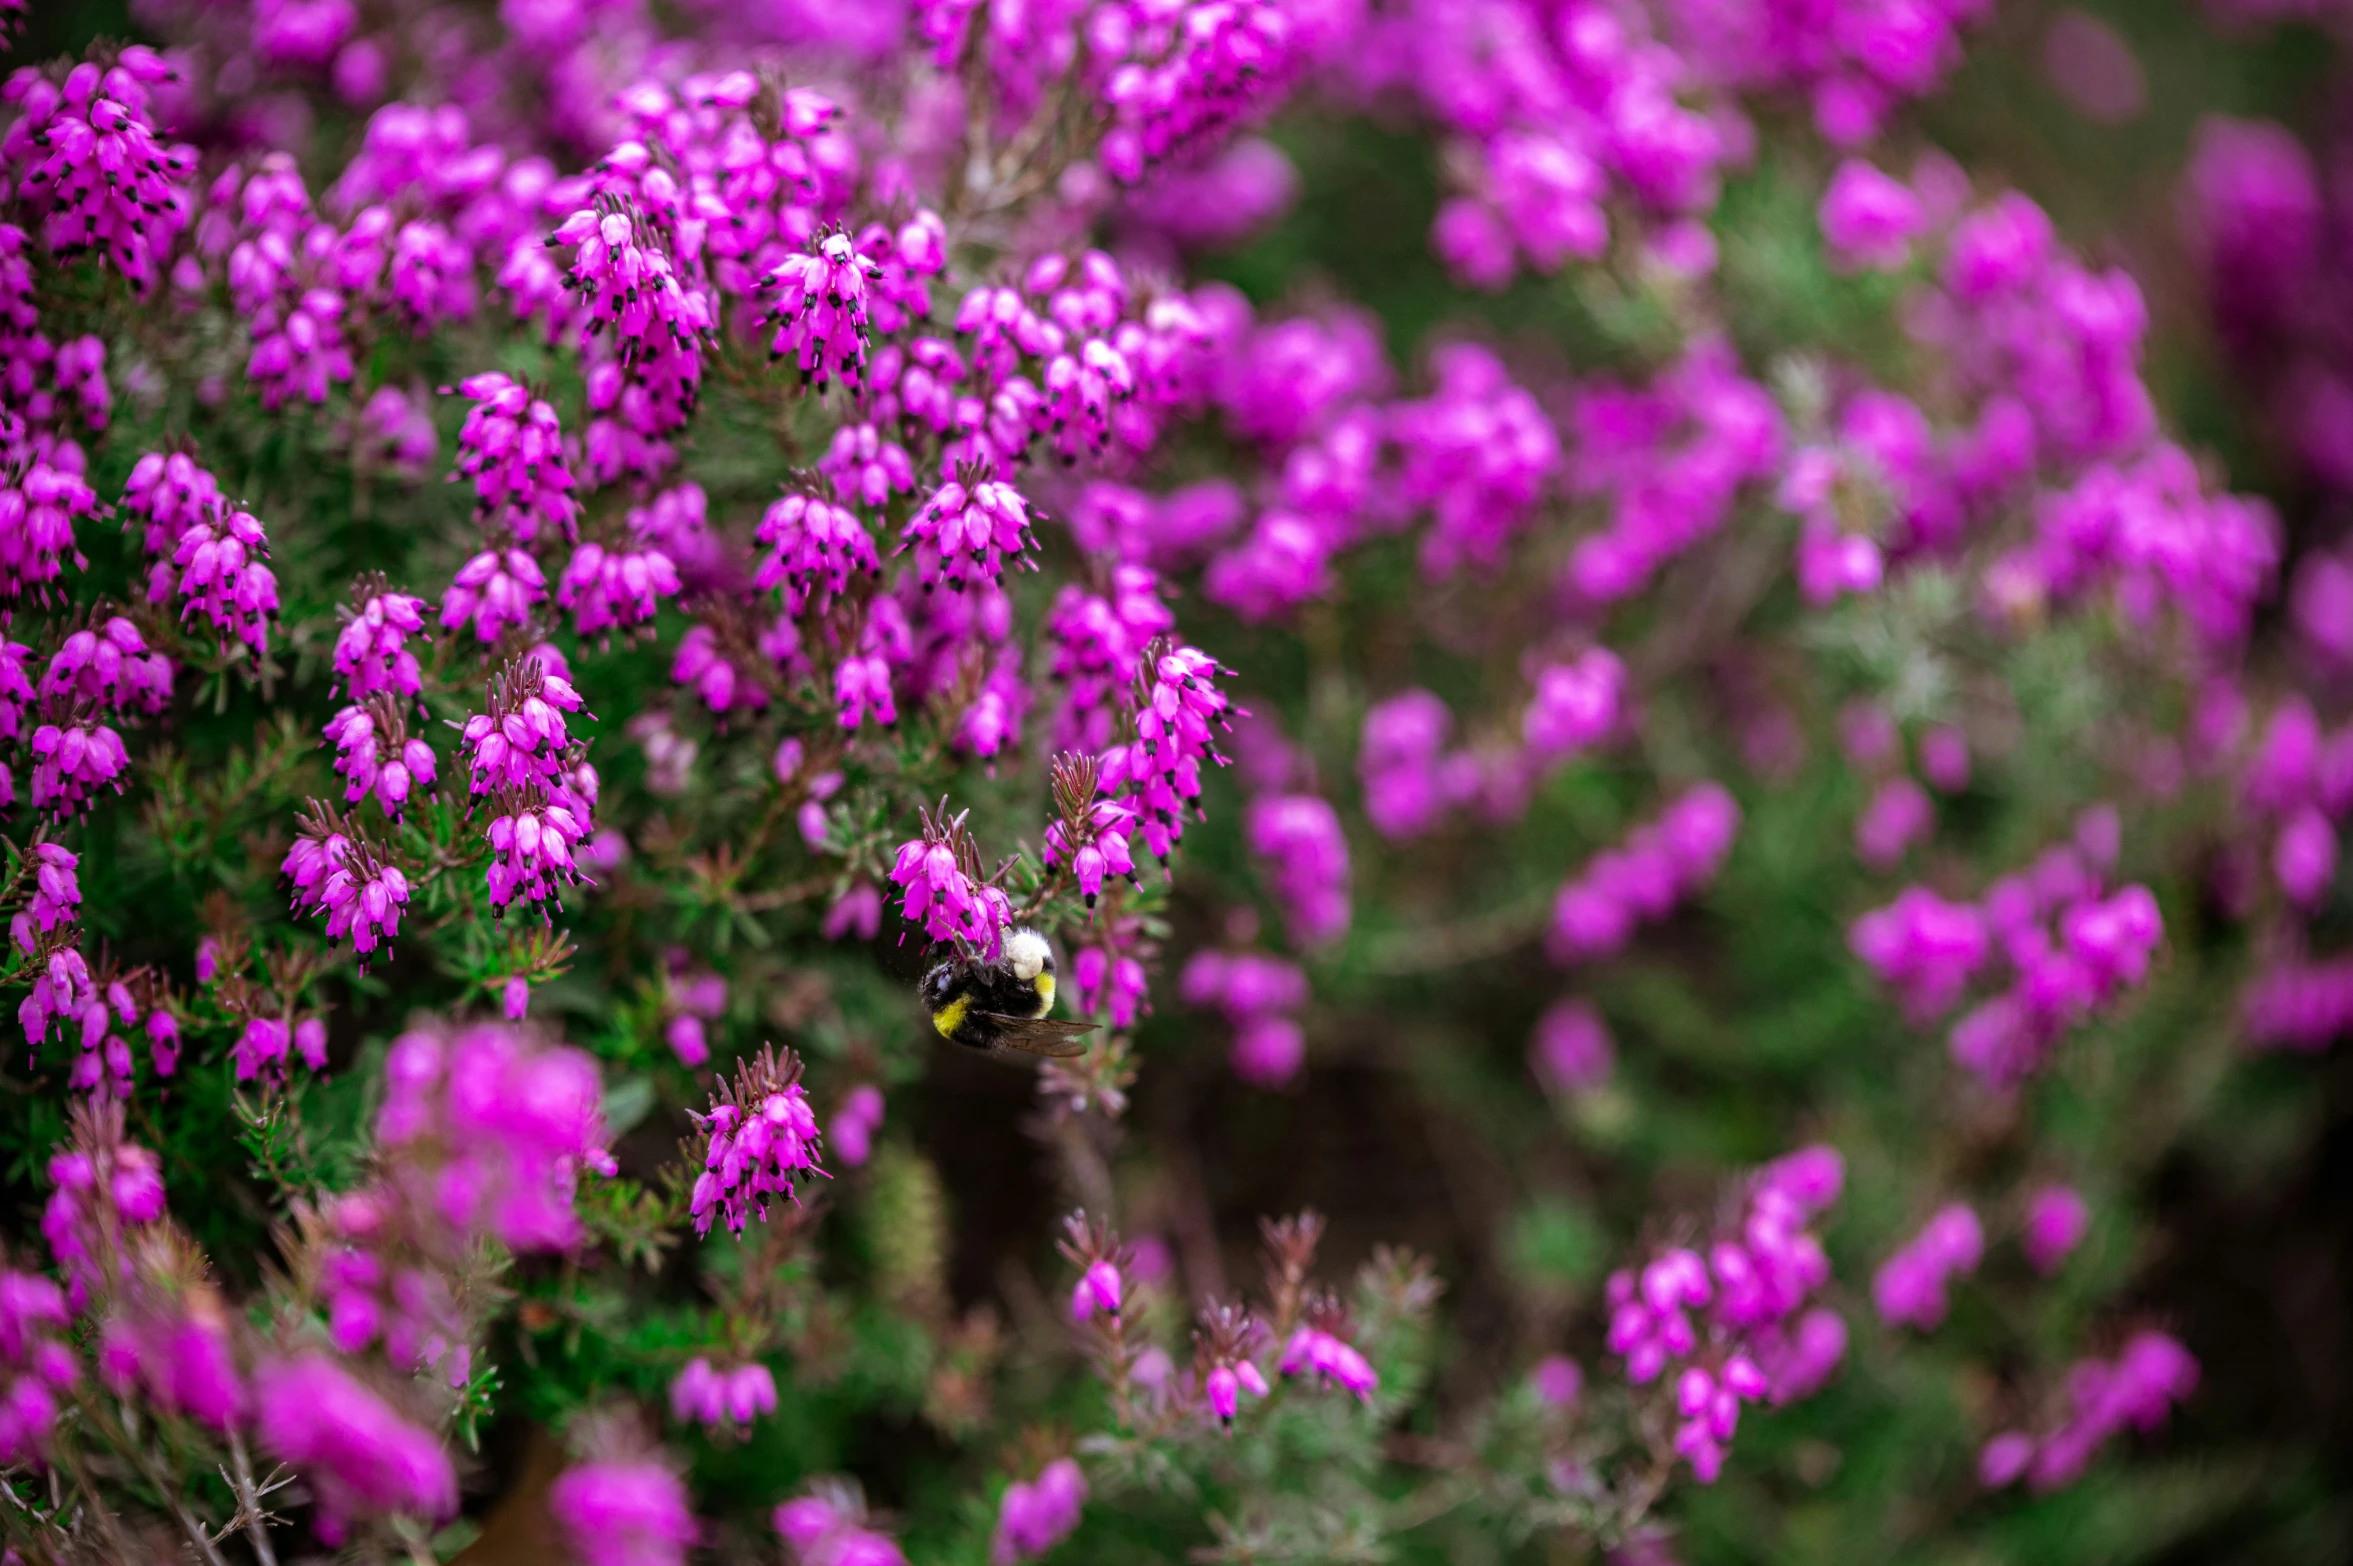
{"type": "Point", "coordinates": [1678, 721]}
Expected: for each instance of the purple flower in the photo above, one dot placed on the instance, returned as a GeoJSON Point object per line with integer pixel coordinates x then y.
{"type": "Point", "coordinates": [221, 575]}
{"type": "Point", "coordinates": [1870, 219]}
{"type": "Point", "coordinates": [633, 299]}
{"type": "Point", "coordinates": [815, 548]}
{"type": "Point", "coordinates": [1660, 863]}
{"type": "Point", "coordinates": [335, 869]}
{"type": "Point", "coordinates": [623, 1514]}
{"type": "Point", "coordinates": [1281, 565]}
{"type": "Point", "coordinates": [2254, 216]}
{"type": "Point", "coordinates": [359, 1456]}
{"type": "Point", "coordinates": [941, 889]}
{"type": "Point", "coordinates": [1898, 816]}
{"type": "Point", "coordinates": [1319, 1353]}
{"type": "Point", "coordinates": [513, 449]}
{"type": "Point", "coordinates": [2305, 856]}
{"type": "Point", "coordinates": [851, 1133]}
{"type": "Point", "coordinates": [376, 755]}
{"type": "Point", "coordinates": [1098, 1289]}
{"type": "Point", "coordinates": [719, 1400]}
{"type": "Point", "coordinates": [171, 494]}
{"type": "Point", "coordinates": [1798, 1360]}
{"type": "Point", "coordinates": [371, 651]}
{"type": "Point", "coordinates": [1558, 1381]}
{"type": "Point", "coordinates": [1159, 775]}
{"type": "Point", "coordinates": [2300, 1006]}
{"type": "Point", "coordinates": [497, 1125]}
{"type": "Point", "coordinates": [829, 1529]}
{"type": "Point", "coordinates": [72, 761]}
{"type": "Point", "coordinates": [1268, 1051]}
{"type": "Point", "coordinates": [761, 1138]}
{"type": "Point", "coordinates": [1944, 759]}
{"type": "Point", "coordinates": [1106, 983]}
{"type": "Point", "coordinates": [856, 914]}
{"type": "Point", "coordinates": [618, 587]}
{"type": "Point", "coordinates": [262, 1048]}
{"type": "Point", "coordinates": [2056, 1222]}
{"type": "Point", "coordinates": [1398, 761]}
{"type": "Point", "coordinates": [106, 663]}
{"type": "Point", "coordinates": [1038, 1514]}
{"type": "Point", "coordinates": [1304, 857]}
{"type": "Point", "coordinates": [1909, 1288]}
{"type": "Point", "coordinates": [494, 590]}
{"type": "Point", "coordinates": [1671, 459]}
{"type": "Point", "coordinates": [40, 498]}
{"type": "Point", "coordinates": [1571, 1051]}
{"type": "Point", "coordinates": [1924, 946]}
{"type": "Point", "coordinates": [2137, 1388]}
{"type": "Point", "coordinates": [90, 162]}
{"type": "Point", "coordinates": [821, 309]}
{"type": "Point", "coordinates": [967, 531]}
{"type": "Point", "coordinates": [1575, 705]}
{"type": "Point", "coordinates": [1477, 453]}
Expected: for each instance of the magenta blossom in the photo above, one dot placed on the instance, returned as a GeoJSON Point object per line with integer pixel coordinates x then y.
{"type": "Point", "coordinates": [1038, 1514]}
{"type": "Point", "coordinates": [623, 1514]}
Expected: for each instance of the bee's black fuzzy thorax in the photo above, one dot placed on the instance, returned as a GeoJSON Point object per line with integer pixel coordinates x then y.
{"type": "Point", "coordinates": [961, 996]}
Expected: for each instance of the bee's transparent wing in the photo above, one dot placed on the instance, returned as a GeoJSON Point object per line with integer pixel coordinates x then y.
{"type": "Point", "coordinates": [1037, 1035]}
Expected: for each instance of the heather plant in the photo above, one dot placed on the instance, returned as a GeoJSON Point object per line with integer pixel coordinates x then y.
{"type": "Point", "coordinates": [1676, 772]}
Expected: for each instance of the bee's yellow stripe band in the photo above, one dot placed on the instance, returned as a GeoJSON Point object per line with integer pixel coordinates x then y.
{"type": "Point", "coordinates": [951, 1016]}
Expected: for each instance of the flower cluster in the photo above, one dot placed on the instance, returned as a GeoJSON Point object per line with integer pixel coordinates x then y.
{"type": "Point", "coordinates": [2072, 947]}
{"type": "Point", "coordinates": [39, 1366]}
{"type": "Point", "coordinates": [73, 760]}
{"type": "Point", "coordinates": [615, 588]}
{"type": "Point", "coordinates": [1088, 833]}
{"type": "Point", "coordinates": [1575, 706]}
{"type": "Point", "coordinates": [170, 494]}
{"type": "Point", "coordinates": [1661, 863]}
{"type": "Point", "coordinates": [496, 1124]}
{"type": "Point", "coordinates": [372, 655]}
{"type": "Point", "coordinates": [1746, 1292]}
{"type": "Point", "coordinates": [376, 755]}
{"type": "Point", "coordinates": [1319, 1350]}
{"type": "Point", "coordinates": [512, 447]}
{"type": "Point", "coordinates": [337, 869]}
{"type": "Point", "coordinates": [1304, 858]}
{"type": "Point", "coordinates": [2301, 1006]}
{"type": "Point", "coordinates": [1037, 1514]}
{"type": "Point", "coordinates": [1259, 995]}
{"type": "Point", "coordinates": [495, 591]}
{"type": "Point", "coordinates": [361, 1456]}
{"type": "Point", "coordinates": [828, 1528]}
{"type": "Point", "coordinates": [2150, 1374]}
{"type": "Point", "coordinates": [1670, 461]}
{"type": "Point", "coordinates": [941, 888]}
{"type": "Point", "coordinates": [816, 549]}
{"type": "Point", "coordinates": [967, 531]}
{"type": "Point", "coordinates": [2296, 783]}
{"type": "Point", "coordinates": [221, 575]}
{"type": "Point", "coordinates": [716, 1399]}
{"type": "Point", "coordinates": [624, 1513]}
{"type": "Point", "coordinates": [108, 664]}
{"type": "Point", "coordinates": [1909, 1288]}
{"type": "Point", "coordinates": [521, 757]}
{"type": "Point", "coordinates": [1178, 706]}
{"type": "Point", "coordinates": [85, 154]}
{"type": "Point", "coordinates": [760, 1137]}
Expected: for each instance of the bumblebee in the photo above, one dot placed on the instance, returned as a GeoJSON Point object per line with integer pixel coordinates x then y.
{"type": "Point", "coordinates": [999, 1008]}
